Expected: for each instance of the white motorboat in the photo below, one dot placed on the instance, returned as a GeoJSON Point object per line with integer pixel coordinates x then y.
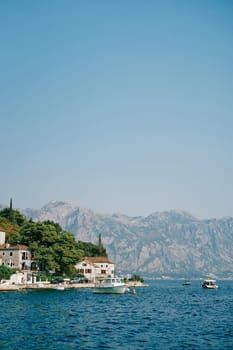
{"type": "Point", "coordinates": [111, 285]}
{"type": "Point", "coordinates": [59, 287]}
{"type": "Point", "coordinates": [209, 283]}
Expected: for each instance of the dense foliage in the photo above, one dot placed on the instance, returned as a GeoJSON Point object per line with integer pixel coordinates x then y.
{"type": "Point", "coordinates": [7, 226]}
{"type": "Point", "coordinates": [14, 216]}
{"type": "Point", "coordinates": [91, 249]}
{"type": "Point", "coordinates": [5, 272]}
{"type": "Point", "coordinates": [53, 250]}
{"type": "Point", "coordinates": [136, 278]}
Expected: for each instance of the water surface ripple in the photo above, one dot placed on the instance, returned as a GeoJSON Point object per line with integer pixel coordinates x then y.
{"type": "Point", "coordinates": [165, 315]}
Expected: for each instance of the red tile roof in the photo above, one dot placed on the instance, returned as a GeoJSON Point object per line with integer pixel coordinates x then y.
{"type": "Point", "coordinates": [98, 259]}
{"type": "Point", "coordinates": [14, 247]}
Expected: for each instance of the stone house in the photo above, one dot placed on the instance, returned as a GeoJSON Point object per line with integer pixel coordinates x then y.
{"type": "Point", "coordinates": [94, 268]}
{"type": "Point", "coordinates": [16, 257]}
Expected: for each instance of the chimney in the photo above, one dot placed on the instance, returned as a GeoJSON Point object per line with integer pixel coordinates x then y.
{"type": "Point", "coordinates": [2, 237]}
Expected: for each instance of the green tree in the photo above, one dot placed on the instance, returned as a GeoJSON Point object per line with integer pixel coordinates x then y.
{"type": "Point", "coordinates": [40, 232]}
{"type": "Point", "coordinates": [57, 252]}
{"type": "Point", "coordinates": [136, 278]}
{"type": "Point", "coordinates": [90, 249]}
{"type": "Point", "coordinates": [46, 258]}
{"type": "Point", "coordinates": [53, 249]}
{"type": "Point", "coordinates": [55, 224]}
{"type": "Point", "coordinates": [67, 252]}
{"type": "Point", "coordinates": [14, 216]}
{"type": "Point", "coordinates": [5, 272]}
{"type": "Point", "coordinates": [14, 238]}
{"type": "Point", "coordinates": [8, 227]}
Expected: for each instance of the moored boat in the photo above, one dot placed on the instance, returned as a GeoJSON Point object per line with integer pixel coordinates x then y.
{"type": "Point", "coordinates": [209, 283]}
{"type": "Point", "coordinates": [111, 285]}
{"type": "Point", "coordinates": [186, 283]}
{"type": "Point", "coordinates": [59, 287]}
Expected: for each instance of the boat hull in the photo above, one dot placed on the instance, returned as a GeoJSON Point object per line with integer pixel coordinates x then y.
{"type": "Point", "coordinates": [59, 288]}
{"type": "Point", "coordinates": [111, 290]}
{"type": "Point", "coordinates": [209, 284]}
{"type": "Point", "coordinates": [210, 287]}
{"type": "Point", "coordinates": [187, 283]}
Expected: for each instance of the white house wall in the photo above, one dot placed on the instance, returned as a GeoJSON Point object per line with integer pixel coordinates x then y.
{"type": "Point", "coordinates": [98, 270]}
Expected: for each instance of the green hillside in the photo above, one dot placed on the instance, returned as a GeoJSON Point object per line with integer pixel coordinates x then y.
{"type": "Point", "coordinates": [54, 250]}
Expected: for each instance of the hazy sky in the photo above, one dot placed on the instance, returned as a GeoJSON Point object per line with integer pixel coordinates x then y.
{"type": "Point", "coordinates": [119, 106]}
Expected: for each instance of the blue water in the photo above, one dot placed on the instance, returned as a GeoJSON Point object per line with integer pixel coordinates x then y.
{"type": "Point", "coordinates": [165, 315]}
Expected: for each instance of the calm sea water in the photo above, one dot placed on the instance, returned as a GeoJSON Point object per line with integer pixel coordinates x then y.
{"type": "Point", "coordinates": [165, 315]}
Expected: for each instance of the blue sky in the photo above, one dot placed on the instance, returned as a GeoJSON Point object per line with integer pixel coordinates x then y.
{"type": "Point", "coordinates": [118, 106]}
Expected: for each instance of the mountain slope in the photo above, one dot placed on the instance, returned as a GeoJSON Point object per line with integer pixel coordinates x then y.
{"type": "Point", "coordinates": [172, 242]}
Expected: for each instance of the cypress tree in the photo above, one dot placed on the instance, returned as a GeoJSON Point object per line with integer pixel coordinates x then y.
{"type": "Point", "coordinates": [11, 204]}
{"type": "Point", "coordinates": [100, 241]}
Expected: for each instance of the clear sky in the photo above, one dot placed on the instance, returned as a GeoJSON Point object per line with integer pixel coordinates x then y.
{"type": "Point", "coordinates": [118, 106]}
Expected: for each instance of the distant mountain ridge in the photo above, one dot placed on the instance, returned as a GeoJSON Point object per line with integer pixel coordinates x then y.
{"type": "Point", "coordinates": [170, 243]}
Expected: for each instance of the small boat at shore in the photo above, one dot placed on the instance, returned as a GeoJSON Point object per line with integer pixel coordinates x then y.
{"type": "Point", "coordinates": [111, 285]}
{"type": "Point", "coordinates": [59, 287]}
{"type": "Point", "coordinates": [209, 284]}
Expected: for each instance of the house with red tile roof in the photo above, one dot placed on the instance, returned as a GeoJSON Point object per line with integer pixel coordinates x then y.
{"type": "Point", "coordinates": [16, 257]}
{"type": "Point", "coordinates": [94, 268]}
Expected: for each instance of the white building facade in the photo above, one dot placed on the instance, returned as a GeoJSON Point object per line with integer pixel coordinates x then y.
{"type": "Point", "coordinates": [94, 268]}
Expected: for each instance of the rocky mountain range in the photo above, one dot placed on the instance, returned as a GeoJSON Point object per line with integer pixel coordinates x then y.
{"type": "Point", "coordinates": [171, 243]}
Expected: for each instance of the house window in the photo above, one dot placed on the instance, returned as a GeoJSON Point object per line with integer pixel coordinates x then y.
{"type": "Point", "coordinates": [24, 255]}
{"type": "Point", "coordinates": [103, 272]}
{"type": "Point", "coordinates": [88, 271]}
{"type": "Point", "coordinates": [11, 254]}
{"type": "Point", "coordinates": [84, 264]}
